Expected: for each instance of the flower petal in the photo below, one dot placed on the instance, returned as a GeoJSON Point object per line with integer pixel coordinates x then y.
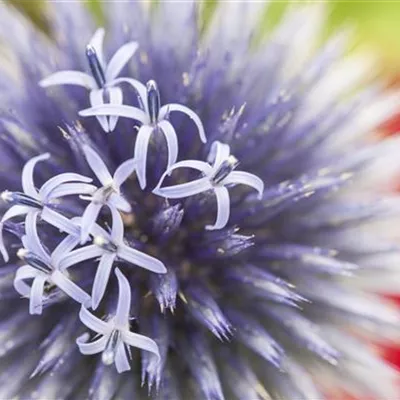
{"type": "Point", "coordinates": [57, 180]}
{"type": "Point", "coordinates": [63, 248]}
{"type": "Point", "coordinates": [28, 184]}
{"type": "Point", "coordinates": [15, 211]}
{"type": "Point", "coordinates": [119, 202]}
{"type": "Point", "coordinates": [138, 86]}
{"type": "Point", "coordinates": [69, 78]}
{"type": "Point", "coordinates": [141, 342]}
{"type": "Point", "coordinates": [23, 273]}
{"type": "Point", "coordinates": [124, 171]}
{"type": "Point", "coordinates": [97, 43]}
{"type": "Point", "coordinates": [97, 165]}
{"type": "Point", "coordinates": [140, 152]}
{"type": "Point", "coordinates": [245, 178]}
{"type": "Point", "coordinates": [184, 189]}
{"type": "Point", "coordinates": [96, 99]}
{"type": "Point", "coordinates": [59, 221]}
{"type": "Point", "coordinates": [124, 299]}
{"type": "Point", "coordinates": [69, 189]}
{"type": "Point", "coordinates": [191, 114]}
{"type": "Point", "coordinates": [219, 152]}
{"type": "Point", "coordinates": [32, 238]}
{"type": "Point", "coordinates": [89, 218]}
{"type": "Point", "coordinates": [120, 59]}
{"type": "Point", "coordinates": [70, 288]}
{"type": "Point", "coordinates": [140, 259]}
{"type": "Point", "coordinates": [102, 277]}
{"type": "Point", "coordinates": [117, 230]}
{"type": "Point", "coordinates": [3, 249]}
{"type": "Point", "coordinates": [36, 295]}
{"type": "Point", "coordinates": [94, 323]}
{"type": "Point", "coordinates": [79, 255]}
{"type": "Point", "coordinates": [121, 359]}
{"type": "Point", "coordinates": [92, 347]}
{"type": "Point", "coordinates": [223, 208]}
{"type": "Point", "coordinates": [116, 97]}
{"type": "Point", "coordinates": [172, 141]}
{"type": "Point", "coordinates": [119, 111]}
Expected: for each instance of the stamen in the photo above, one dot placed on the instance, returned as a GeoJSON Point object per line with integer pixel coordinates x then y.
{"type": "Point", "coordinates": [105, 244]}
{"type": "Point", "coordinates": [225, 169]}
{"type": "Point", "coordinates": [108, 356]}
{"type": "Point", "coordinates": [34, 261]}
{"type": "Point", "coordinates": [95, 66]}
{"type": "Point", "coordinates": [153, 100]}
{"type": "Point", "coordinates": [21, 199]}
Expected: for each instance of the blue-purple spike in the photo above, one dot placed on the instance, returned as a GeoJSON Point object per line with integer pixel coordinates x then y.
{"type": "Point", "coordinates": [95, 66]}
{"type": "Point", "coordinates": [153, 100]}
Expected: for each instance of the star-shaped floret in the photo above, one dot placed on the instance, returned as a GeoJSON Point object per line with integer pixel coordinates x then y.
{"type": "Point", "coordinates": [217, 174]}
{"type": "Point", "coordinates": [109, 248]}
{"type": "Point", "coordinates": [153, 118]}
{"type": "Point", "coordinates": [45, 269]}
{"type": "Point", "coordinates": [102, 81]}
{"type": "Point", "coordinates": [115, 334]}
{"type": "Point", "coordinates": [109, 194]}
{"type": "Point", "coordinates": [33, 201]}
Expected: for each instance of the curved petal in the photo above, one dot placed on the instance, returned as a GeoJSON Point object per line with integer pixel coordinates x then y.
{"type": "Point", "coordinates": [219, 152]}
{"type": "Point", "coordinates": [120, 59]}
{"type": "Point", "coordinates": [119, 111]}
{"type": "Point", "coordinates": [88, 348]}
{"type": "Point", "coordinates": [94, 323]}
{"type": "Point", "coordinates": [97, 43]}
{"type": "Point", "coordinates": [28, 184]}
{"type": "Point", "coordinates": [98, 166]}
{"type": "Point", "coordinates": [63, 248]}
{"type": "Point", "coordinates": [116, 97]}
{"type": "Point", "coordinates": [172, 141]}
{"type": "Point", "coordinates": [57, 180]}
{"type": "Point", "coordinates": [194, 164]}
{"type": "Point", "coordinates": [15, 211]}
{"type": "Point", "coordinates": [140, 153]}
{"type": "Point", "coordinates": [36, 295]}
{"type": "Point", "coordinates": [119, 202]}
{"type": "Point", "coordinates": [124, 299]}
{"type": "Point", "coordinates": [140, 89]}
{"type": "Point", "coordinates": [89, 218]}
{"type": "Point", "coordinates": [96, 100]}
{"type": "Point", "coordinates": [32, 237]}
{"type": "Point", "coordinates": [70, 288]}
{"type": "Point", "coordinates": [117, 230]}
{"type": "Point", "coordinates": [141, 342]}
{"type": "Point", "coordinates": [245, 178]}
{"type": "Point", "coordinates": [124, 171]}
{"type": "Point", "coordinates": [121, 359]}
{"type": "Point", "coordinates": [191, 114]}
{"type": "Point", "coordinates": [69, 78]}
{"type": "Point", "coordinates": [79, 255]}
{"type": "Point", "coordinates": [59, 221]}
{"type": "Point", "coordinates": [185, 189]}
{"type": "Point", "coordinates": [102, 277]}
{"type": "Point", "coordinates": [140, 259]}
{"type": "Point", "coordinates": [223, 208]}
{"type": "Point", "coordinates": [23, 273]}
{"type": "Point", "coordinates": [3, 249]}
{"type": "Point", "coordinates": [69, 189]}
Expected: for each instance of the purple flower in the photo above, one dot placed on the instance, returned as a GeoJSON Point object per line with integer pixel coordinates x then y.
{"type": "Point", "coordinates": [224, 231]}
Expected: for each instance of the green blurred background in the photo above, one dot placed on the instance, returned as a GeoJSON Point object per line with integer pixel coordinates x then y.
{"type": "Point", "coordinates": [377, 22]}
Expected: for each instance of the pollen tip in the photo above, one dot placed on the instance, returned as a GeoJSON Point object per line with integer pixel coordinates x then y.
{"type": "Point", "coordinates": [21, 253]}
{"type": "Point", "coordinates": [99, 241]}
{"type": "Point", "coordinates": [6, 196]}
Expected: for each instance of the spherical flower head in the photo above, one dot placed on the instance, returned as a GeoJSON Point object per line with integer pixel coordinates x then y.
{"type": "Point", "coordinates": [193, 208]}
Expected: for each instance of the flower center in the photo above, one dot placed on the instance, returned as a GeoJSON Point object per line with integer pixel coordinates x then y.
{"type": "Point", "coordinates": [108, 356]}
{"type": "Point", "coordinates": [95, 66]}
{"type": "Point", "coordinates": [224, 169]}
{"type": "Point", "coordinates": [18, 198]}
{"type": "Point", "coordinates": [105, 244]}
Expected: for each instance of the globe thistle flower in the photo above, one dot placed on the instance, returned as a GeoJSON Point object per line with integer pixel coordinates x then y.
{"type": "Point", "coordinates": [235, 238]}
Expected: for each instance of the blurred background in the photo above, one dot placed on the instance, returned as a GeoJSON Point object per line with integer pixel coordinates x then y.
{"type": "Point", "coordinates": [377, 29]}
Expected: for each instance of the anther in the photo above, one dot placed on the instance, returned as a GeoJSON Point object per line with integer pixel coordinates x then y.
{"type": "Point", "coordinates": [153, 100]}
{"type": "Point", "coordinates": [225, 169]}
{"type": "Point", "coordinates": [20, 199]}
{"type": "Point", "coordinates": [105, 244]}
{"type": "Point", "coordinates": [33, 260]}
{"type": "Point", "coordinates": [108, 356]}
{"type": "Point", "coordinates": [95, 66]}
